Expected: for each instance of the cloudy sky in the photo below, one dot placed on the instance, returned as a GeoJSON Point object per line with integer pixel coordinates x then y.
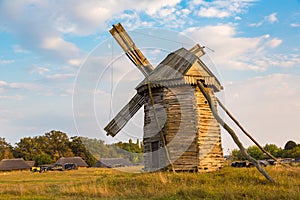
{"type": "Point", "coordinates": [60, 68]}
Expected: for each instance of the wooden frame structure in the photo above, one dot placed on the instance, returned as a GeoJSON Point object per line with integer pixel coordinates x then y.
{"type": "Point", "coordinates": [170, 92]}
{"type": "Point", "coordinates": [181, 123]}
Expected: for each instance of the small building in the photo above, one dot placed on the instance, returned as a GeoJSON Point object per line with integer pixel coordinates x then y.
{"type": "Point", "coordinates": [30, 163]}
{"type": "Point", "coordinates": [75, 160]}
{"type": "Point", "coordinates": [13, 164]}
{"type": "Point", "coordinates": [112, 163]}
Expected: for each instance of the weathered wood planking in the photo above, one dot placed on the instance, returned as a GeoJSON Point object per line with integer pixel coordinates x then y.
{"type": "Point", "coordinates": [124, 115]}
{"type": "Point", "coordinates": [188, 118]}
{"type": "Point", "coordinates": [133, 53]}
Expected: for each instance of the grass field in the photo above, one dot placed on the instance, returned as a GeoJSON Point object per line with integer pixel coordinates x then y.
{"type": "Point", "coordinates": [228, 183]}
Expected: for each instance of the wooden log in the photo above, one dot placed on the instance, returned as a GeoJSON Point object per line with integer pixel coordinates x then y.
{"type": "Point", "coordinates": [245, 132]}
{"type": "Point", "coordinates": [232, 133]}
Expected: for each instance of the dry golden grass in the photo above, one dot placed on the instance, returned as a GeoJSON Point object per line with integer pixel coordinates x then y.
{"type": "Point", "coordinates": [228, 183]}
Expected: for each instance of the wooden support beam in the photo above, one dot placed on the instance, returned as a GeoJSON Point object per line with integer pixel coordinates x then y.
{"type": "Point", "coordinates": [231, 132]}
{"type": "Point", "coordinates": [245, 132]}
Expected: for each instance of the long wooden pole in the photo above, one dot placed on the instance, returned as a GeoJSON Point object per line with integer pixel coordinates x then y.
{"type": "Point", "coordinates": [244, 131]}
{"type": "Point", "coordinates": [231, 132]}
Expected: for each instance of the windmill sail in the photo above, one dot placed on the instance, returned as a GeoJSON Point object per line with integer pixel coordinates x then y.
{"type": "Point", "coordinates": [197, 50]}
{"type": "Point", "coordinates": [134, 54]}
{"type": "Point", "coordinates": [121, 119]}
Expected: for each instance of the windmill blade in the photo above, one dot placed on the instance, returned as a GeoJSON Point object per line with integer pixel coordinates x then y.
{"type": "Point", "coordinates": [134, 54]}
{"type": "Point", "coordinates": [197, 50]}
{"type": "Point", "coordinates": [127, 112]}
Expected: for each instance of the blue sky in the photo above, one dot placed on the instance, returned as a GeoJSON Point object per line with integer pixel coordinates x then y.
{"type": "Point", "coordinates": [45, 45]}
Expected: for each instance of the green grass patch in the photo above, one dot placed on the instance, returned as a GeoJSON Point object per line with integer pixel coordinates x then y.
{"type": "Point", "coordinates": [227, 183]}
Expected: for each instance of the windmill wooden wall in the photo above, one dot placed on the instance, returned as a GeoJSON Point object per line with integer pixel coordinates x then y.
{"type": "Point", "coordinates": [191, 133]}
{"type": "Point", "coordinates": [186, 115]}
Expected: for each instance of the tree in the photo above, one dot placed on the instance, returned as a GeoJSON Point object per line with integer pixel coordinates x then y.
{"type": "Point", "coordinates": [237, 155]}
{"type": "Point", "coordinates": [57, 144]}
{"type": "Point", "coordinates": [273, 149]}
{"type": "Point", "coordinates": [255, 152]}
{"type": "Point", "coordinates": [290, 145]}
{"type": "Point", "coordinates": [5, 149]}
{"type": "Point", "coordinates": [295, 152]}
{"type": "Point", "coordinates": [43, 159]}
{"type": "Point", "coordinates": [79, 149]}
{"type": "Point", "coordinates": [27, 148]}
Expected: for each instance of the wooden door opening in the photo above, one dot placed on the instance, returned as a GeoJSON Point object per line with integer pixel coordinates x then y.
{"type": "Point", "coordinates": [155, 155]}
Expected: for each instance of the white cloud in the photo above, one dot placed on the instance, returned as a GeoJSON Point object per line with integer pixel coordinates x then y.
{"type": "Point", "coordinates": [60, 76]}
{"type": "Point", "coordinates": [212, 12]}
{"type": "Point", "coordinates": [274, 43]}
{"type": "Point", "coordinates": [12, 97]}
{"type": "Point", "coordinates": [19, 49]}
{"type": "Point", "coordinates": [39, 70]}
{"type": "Point", "coordinates": [295, 25]}
{"type": "Point", "coordinates": [166, 12]}
{"type": "Point", "coordinates": [256, 24]}
{"type": "Point", "coordinates": [240, 53]}
{"type": "Point", "coordinates": [271, 18]}
{"type": "Point", "coordinates": [8, 87]}
{"type": "Point", "coordinates": [220, 8]}
{"type": "Point", "coordinates": [75, 62]}
{"type": "Point", "coordinates": [267, 106]}
{"type": "Point", "coordinates": [25, 86]}
{"type": "Point", "coordinates": [3, 83]}
{"type": "Point", "coordinates": [6, 62]}
{"type": "Point", "coordinates": [47, 28]}
{"type": "Point", "coordinates": [230, 51]}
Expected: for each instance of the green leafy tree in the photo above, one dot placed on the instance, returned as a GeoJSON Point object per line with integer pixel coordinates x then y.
{"type": "Point", "coordinates": [132, 150]}
{"type": "Point", "coordinates": [295, 152]}
{"type": "Point", "coordinates": [43, 159]}
{"type": "Point", "coordinates": [79, 149]}
{"type": "Point", "coordinates": [255, 152]}
{"type": "Point", "coordinates": [237, 155]}
{"type": "Point", "coordinates": [6, 150]}
{"type": "Point", "coordinates": [57, 145]}
{"type": "Point", "coordinates": [99, 149]}
{"type": "Point", "coordinates": [290, 145]}
{"type": "Point", "coordinates": [273, 149]}
{"type": "Point", "coordinates": [27, 148]}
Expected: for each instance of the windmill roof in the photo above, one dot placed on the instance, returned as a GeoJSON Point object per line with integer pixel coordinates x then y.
{"type": "Point", "coordinates": [76, 160]}
{"type": "Point", "coordinates": [13, 164]}
{"type": "Point", "coordinates": [173, 70]}
{"type": "Point", "coordinates": [112, 162]}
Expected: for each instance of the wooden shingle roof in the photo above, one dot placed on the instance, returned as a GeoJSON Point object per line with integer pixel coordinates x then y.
{"type": "Point", "coordinates": [76, 160]}
{"type": "Point", "coordinates": [13, 164]}
{"type": "Point", "coordinates": [175, 70]}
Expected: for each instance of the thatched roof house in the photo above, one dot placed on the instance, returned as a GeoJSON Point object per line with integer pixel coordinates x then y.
{"type": "Point", "coordinates": [30, 163]}
{"type": "Point", "coordinates": [13, 164]}
{"type": "Point", "coordinates": [112, 162]}
{"type": "Point", "coordinates": [76, 160]}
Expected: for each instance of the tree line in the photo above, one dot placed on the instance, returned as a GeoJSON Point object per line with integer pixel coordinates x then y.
{"type": "Point", "coordinates": [291, 150]}
{"type": "Point", "coordinates": [47, 148]}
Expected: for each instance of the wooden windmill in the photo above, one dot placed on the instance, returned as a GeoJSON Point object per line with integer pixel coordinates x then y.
{"type": "Point", "coordinates": [169, 93]}
{"type": "Point", "coordinates": [181, 123]}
